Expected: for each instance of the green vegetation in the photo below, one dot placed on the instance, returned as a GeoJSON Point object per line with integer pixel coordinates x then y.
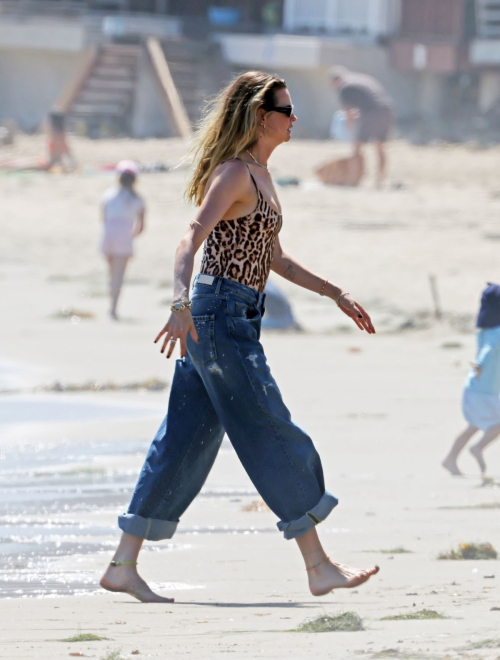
{"type": "Point", "coordinates": [150, 384]}
{"type": "Point", "coordinates": [421, 614]}
{"type": "Point", "coordinates": [85, 637]}
{"type": "Point", "coordinates": [483, 644]}
{"type": "Point", "coordinates": [112, 655]}
{"type": "Point", "coordinates": [346, 622]}
{"type": "Point", "coordinates": [403, 655]}
{"type": "Point", "coordinates": [471, 551]}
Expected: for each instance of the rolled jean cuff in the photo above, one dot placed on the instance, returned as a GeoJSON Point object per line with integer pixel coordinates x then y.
{"type": "Point", "coordinates": [312, 518]}
{"type": "Point", "coordinates": [149, 529]}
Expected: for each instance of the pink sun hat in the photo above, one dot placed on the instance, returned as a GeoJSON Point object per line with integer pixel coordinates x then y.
{"type": "Point", "coordinates": [127, 166]}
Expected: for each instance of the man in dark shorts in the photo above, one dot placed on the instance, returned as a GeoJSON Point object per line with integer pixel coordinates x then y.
{"type": "Point", "coordinates": [363, 96]}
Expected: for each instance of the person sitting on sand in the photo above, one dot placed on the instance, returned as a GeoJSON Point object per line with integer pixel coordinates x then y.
{"type": "Point", "coordinates": [223, 383]}
{"type": "Point", "coordinates": [58, 152]}
{"type": "Point", "coordinates": [364, 98]}
{"type": "Point", "coordinates": [481, 396]}
{"type": "Point", "coordinates": [123, 217]}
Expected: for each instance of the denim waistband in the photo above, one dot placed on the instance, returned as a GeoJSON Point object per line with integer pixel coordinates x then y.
{"type": "Point", "coordinates": [224, 285]}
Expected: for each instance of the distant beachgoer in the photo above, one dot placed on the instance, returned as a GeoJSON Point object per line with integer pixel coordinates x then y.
{"type": "Point", "coordinates": [123, 216]}
{"type": "Point", "coordinates": [58, 152]}
{"type": "Point", "coordinates": [222, 381]}
{"type": "Point", "coordinates": [481, 396]}
{"type": "Point", "coordinates": [363, 98]}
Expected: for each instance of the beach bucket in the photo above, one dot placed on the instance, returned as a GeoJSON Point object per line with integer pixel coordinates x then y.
{"type": "Point", "coordinates": [339, 130]}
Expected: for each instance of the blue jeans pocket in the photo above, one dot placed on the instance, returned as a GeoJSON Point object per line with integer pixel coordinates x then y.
{"type": "Point", "coordinates": [244, 319]}
{"type": "Point", "coordinates": [204, 352]}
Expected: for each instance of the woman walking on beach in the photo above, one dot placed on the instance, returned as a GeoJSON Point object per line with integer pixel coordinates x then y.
{"type": "Point", "coordinates": [123, 216]}
{"type": "Point", "coordinates": [481, 397]}
{"type": "Point", "coordinates": [222, 382]}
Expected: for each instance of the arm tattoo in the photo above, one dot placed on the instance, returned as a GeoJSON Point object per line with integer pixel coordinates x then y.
{"type": "Point", "coordinates": [289, 273]}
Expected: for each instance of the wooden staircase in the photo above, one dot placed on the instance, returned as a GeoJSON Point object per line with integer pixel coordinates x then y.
{"type": "Point", "coordinates": [185, 59]}
{"type": "Point", "coordinates": [99, 99]}
{"type": "Point", "coordinates": [104, 94]}
{"type": "Point", "coordinates": [488, 19]}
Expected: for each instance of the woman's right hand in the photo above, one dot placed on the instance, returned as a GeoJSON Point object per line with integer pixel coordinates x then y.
{"type": "Point", "coordinates": [177, 328]}
{"type": "Point", "coordinates": [356, 312]}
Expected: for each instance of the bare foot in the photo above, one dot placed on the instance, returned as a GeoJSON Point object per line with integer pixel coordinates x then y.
{"type": "Point", "coordinates": [329, 576]}
{"type": "Point", "coordinates": [450, 464]}
{"type": "Point", "coordinates": [478, 455]}
{"type": "Point", "coordinates": [126, 579]}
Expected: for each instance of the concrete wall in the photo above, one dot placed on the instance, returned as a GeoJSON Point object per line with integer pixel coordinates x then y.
{"type": "Point", "coordinates": [38, 56]}
{"type": "Point", "coordinates": [30, 82]}
{"type": "Point", "coordinates": [489, 90]}
{"type": "Point", "coordinates": [432, 91]}
{"type": "Point", "coordinates": [485, 52]}
{"type": "Point", "coordinates": [72, 34]}
{"type": "Point", "coordinates": [38, 33]}
{"type": "Point", "coordinates": [150, 116]}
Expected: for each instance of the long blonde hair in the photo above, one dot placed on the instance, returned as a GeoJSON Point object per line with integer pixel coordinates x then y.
{"type": "Point", "coordinates": [229, 125]}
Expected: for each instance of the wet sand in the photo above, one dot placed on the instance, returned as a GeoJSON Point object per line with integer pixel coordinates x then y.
{"type": "Point", "coordinates": [382, 411]}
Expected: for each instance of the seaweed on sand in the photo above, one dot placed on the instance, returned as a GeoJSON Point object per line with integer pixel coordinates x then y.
{"type": "Point", "coordinates": [345, 622]}
{"type": "Point", "coordinates": [421, 614]}
{"type": "Point", "coordinates": [112, 655]}
{"type": "Point", "coordinates": [85, 637]}
{"type": "Point", "coordinates": [470, 551]}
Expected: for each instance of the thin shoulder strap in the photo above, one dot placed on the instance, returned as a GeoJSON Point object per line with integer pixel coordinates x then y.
{"type": "Point", "coordinates": [251, 175]}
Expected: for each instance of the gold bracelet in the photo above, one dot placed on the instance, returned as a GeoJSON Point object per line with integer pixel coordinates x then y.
{"type": "Point", "coordinates": [322, 292]}
{"type": "Point", "coordinates": [179, 305]}
{"type": "Point", "coordinates": [199, 225]}
{"type": "Point", "coordinates": [346, 293]}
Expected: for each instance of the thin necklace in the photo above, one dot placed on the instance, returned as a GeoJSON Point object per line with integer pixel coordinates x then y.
{"type": "Point", "coordinates": [256, 161]}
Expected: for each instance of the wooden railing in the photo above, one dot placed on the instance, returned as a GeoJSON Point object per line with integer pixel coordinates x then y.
{"type": "Point", "coordinates": [77, 81]}
{"type": "Point", "coordinates": [174, 103]}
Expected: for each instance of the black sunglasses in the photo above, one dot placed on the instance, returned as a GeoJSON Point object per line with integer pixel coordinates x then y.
{"type": "Point", "coordinates": [285, 109]}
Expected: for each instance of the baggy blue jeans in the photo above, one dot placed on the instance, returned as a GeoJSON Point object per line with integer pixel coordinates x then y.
{"type": "Point", "coordinates": [225, 385]}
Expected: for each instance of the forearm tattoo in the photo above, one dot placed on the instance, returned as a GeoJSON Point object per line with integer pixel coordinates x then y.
{"type": "Point", "coordinates": [289, 273]}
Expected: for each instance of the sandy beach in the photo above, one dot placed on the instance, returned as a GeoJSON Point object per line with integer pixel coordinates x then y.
{"type": "Point", "coordinates": [381, 409]}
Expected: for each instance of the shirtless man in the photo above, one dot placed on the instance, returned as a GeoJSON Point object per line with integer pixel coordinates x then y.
{"type": "Point", "coordinates": [362, 97]}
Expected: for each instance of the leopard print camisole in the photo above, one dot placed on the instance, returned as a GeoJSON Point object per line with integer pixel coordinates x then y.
{"type": "Point", "coordinates": [242, 249]}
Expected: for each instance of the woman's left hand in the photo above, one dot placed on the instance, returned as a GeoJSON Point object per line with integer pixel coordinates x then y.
{"type": "Point", "coordinates": [355, 311]}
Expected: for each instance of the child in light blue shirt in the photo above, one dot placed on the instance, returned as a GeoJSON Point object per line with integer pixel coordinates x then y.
{"type": "Point", "coordinates": [481, 396]}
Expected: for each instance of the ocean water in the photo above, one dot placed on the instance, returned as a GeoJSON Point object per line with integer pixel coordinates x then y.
{"type": "Point", "coordinates": [59, 499]}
